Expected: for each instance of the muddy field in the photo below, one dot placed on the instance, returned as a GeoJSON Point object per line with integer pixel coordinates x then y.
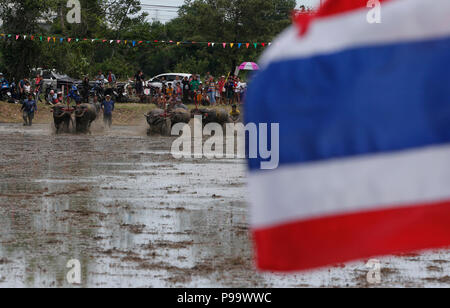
{"type": "Point", "coordinates": [135, 217]}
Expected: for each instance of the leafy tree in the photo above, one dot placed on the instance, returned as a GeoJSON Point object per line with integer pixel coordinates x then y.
{"type": "Point", "coordinates": [238, 21]}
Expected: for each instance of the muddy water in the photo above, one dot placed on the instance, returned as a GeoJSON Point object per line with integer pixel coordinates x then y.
{"type": "Point", "coordinates": [135, 217]}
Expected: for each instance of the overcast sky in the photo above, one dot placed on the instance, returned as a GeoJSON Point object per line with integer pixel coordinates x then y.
{"type": "Point", "coordinates": [164, 10]}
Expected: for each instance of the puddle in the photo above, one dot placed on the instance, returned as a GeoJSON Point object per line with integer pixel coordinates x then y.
{"type": "Point", "coordinates": [135, 217]}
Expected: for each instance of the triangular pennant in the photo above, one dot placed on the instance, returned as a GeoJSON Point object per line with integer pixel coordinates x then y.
{"type": "Point", "coordinates": [263, 44]}
{"type": "Point", "coordinates": [224, 45]}
{"type": "Point", "coordinates": [111, 41]}
{"type": "Point", "coordinates": [104, 41]}
{"type": "Point", "coordinates": [256, 45]}
{"type": "Point", "coordinates": [209, 44]}
{"type": "Point", "coordinates": [134, 43]}
{"type": "Point", "coordinates": [247, 45]}
{"type": "Point", "coordinates": [48, 39]}
{"type": "Point", "coordinates": [239, 45]}
{"type": "Point", "coordinates": [140, 42]}
{"type": "Point", "coordinates": [231, 45]}
{"type": "Point", "coordinates": [69, 39]}
{"type": "Point", "coordinates": [213, 44]}
{"type": "Point", "coordinates": [118, 41]}
{"type": "Point", "coordinates": [54, 39]}
{"type": "Point", "coordinates": [61, 40]}
{"type": "Point", "coordinates": [24, 37]}
{"type": "Point", "coordinates": [178, 43]}
{"type": "Point", "coordinates": [17, 37]}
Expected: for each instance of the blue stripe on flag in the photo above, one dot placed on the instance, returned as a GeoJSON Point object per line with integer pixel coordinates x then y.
{"type": "Point", "coordinates": [355, 102]}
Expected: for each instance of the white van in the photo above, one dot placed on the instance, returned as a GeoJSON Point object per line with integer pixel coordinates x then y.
{"type": "Point", "coordinates": [157, 82]}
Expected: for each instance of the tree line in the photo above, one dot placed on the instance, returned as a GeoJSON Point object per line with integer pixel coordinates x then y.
{"type": "Point", "coordinates": [198, 20]}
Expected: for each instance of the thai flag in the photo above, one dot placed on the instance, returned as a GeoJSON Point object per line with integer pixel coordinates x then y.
{"type": "Point", "coordinates": [364, 115]}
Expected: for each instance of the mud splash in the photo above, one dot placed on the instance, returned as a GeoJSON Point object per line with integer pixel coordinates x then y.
{"type": "Point", "coordinates": [135, 217]}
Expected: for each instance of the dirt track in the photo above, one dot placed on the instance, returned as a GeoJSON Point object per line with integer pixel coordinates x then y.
{"type": "Point", "coordinates": [135, 217]}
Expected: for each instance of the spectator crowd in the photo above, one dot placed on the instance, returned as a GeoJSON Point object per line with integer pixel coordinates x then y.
{"type": "Point", "coordinates": [206, 92]}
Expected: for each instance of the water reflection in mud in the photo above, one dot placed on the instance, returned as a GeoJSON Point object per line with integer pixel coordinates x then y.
{"type": "Point", "coordinates": [135, 217]}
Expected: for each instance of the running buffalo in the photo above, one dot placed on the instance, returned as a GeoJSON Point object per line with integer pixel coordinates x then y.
{"type": "Point", "coordinates": [62, 117]}
{"type": "Point", "coordinates": [162, 123]}
{"type": "Point", "coordinates": [85, 114]}
{"type": "Point", "coordinates": [219, 116]}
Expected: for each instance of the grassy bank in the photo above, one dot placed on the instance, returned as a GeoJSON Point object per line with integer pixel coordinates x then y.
{"type": "Point", "coordinates": [125, 114]}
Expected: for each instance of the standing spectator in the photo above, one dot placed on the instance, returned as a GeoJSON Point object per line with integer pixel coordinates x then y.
{"type": "Point", "coordinates": [194, 85]}
{"type": "Point", "coordinates": [163, 81]}
{"type": "Point", "coordinates": [238, 90]}
{"type": "Point", "coordinates": [221, 90]}
{"type": "Point", "coordinates": [111, 79]}
{"type": "Point", "coordinates": [178, 91]}
{"type": "Point", "coordinates": [108, 108]}
{"type": "Point", "coordinates": [176, 82]}
{"type": "Point", "coordinates": [139, 83]}
{"type": "Point", "coordinates": [186, 90]}
{"type": "Point", "coordinates": [38, 81]}
{"type": "Point", "coordinates": [29, 108]}
{"type": "Point", "coordinates": [208, 77]}
{"type": "Point", "coordinates": [22, 85]}
{"type": "Point", "coordinates": [211, 90]}
{"type": "Point", "coordinates": [13, 87]}
{"type": "Point", "coordinates": [229, 90]}
{"type": "Point", "coordinates": [27, 88]}
{"type": "Point", "coordinates": [73, 94]}
{"type": "Point", "coordinates": [85, 89]}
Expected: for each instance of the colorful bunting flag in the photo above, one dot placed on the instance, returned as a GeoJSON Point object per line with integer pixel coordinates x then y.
{"type": "Point", "coordinates": [135, 42]}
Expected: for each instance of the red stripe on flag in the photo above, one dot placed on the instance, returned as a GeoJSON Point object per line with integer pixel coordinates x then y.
{"type": "Point", "coordinates": [334, 7]}
{"type": "Point", "coordinates": [328, 241]}
{"type": "Point", "coordinates": [329, 9]}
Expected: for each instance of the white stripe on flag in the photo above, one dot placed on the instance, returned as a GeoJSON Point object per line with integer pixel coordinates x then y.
{"type": "Point", "coordinates": [402, 21]}
{"type": "Point", "coordinates": [375, 182]}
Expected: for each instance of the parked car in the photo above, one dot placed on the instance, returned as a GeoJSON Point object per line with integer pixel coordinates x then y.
{"type": "Point", "coordinates": [156, 82]}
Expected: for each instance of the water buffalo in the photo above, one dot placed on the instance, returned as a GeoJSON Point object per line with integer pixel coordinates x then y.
{"type": "Point", "coordinates": [219, 116]}
{"type": "Point", "coordinates": [85, 114]}
{"type": "Point", "coordinates": [159, 122]}
{"type": "Point", "coordinates": [62, 117]}
{"type": "Point", "coordinates": [180, 115]}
